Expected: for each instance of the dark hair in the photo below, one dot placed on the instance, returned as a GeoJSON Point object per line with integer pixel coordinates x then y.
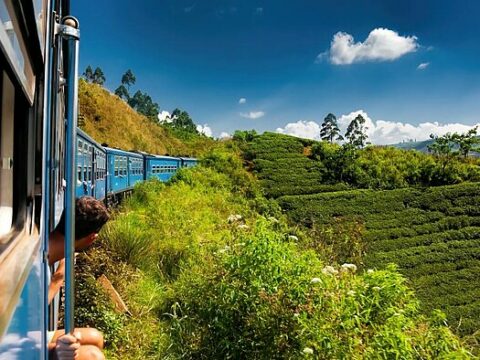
{"type": "Point", "coordinates": [90, 215]}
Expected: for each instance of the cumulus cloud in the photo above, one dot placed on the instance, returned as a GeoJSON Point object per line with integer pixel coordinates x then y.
{"type": "Point", "coordinates": [242, 101]}
{"type": "Point", "coordinates": [382, 132]}
{"type": "Point", "coordinates": [164, 117]}
{"type": "Point", "coordinates": [224, 135]}
{"type": "Point", "coordinates": [253, 115]}
{"type": "Point", "coordinates": [380, 45]}
{"type": "Point", "coordinates": [205, 130]}
{"type": "Point", "coordinates": [302, 129]}
{"type": "Point", "coordinates": [423, 66]}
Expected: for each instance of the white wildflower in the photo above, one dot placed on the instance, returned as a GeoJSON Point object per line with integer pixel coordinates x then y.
{"type": "Point", "coordinates": [234, 217]}
{"type": "Point", "coordinates": [351, 267]}
{"type": "Point", "coordinates": [329, 270]}
{"type": "Point", "coordinates": [315, 280]}
{"type": "Point", "coordinates": [292, 237]}
{"type": "Point", "coordinates": [308, 351]}
{"type": "Point", "coordinates": [370, 271]}
{"type": "Point", "coordinates": [296, 315]}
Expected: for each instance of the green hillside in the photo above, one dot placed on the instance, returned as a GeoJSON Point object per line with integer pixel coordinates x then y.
{"type": "Point", "coordinates": [432, 234]}
{"type": "Point", "coordinates": [287, 165]}
{"type": "Point", "coordinates": [108, 119]}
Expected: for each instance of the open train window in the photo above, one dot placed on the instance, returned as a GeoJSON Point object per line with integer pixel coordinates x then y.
{"type": "Point", "coordinates": [6, 154]}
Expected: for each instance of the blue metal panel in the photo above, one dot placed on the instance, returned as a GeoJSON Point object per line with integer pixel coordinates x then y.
{"type": "Point", "coordinates": [162, 167]}
{"type": "Point", "coordinates": [26, 331]}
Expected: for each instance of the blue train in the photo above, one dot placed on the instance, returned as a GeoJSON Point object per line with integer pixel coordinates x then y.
{"type": "Point", "coordinates": [108, 173]}
{"type": "Point", "coordinates": [45, 162]}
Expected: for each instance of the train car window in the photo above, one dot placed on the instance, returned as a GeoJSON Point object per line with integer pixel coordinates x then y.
{"type": "Point", "coordinates": [14, 47]}
{"type": "Point", "coordinates": [6, 155]}
{"type": "Point", "coordinates": [115, 166]}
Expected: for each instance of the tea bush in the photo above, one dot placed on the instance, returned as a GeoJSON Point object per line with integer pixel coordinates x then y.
{"type": "Point", "coordinates": [427, 232]}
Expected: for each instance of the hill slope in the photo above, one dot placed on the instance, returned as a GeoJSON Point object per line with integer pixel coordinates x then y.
{"type": "Point", "coordinates": [108, 119]}
{"type": "Point", "coordinates": [432, 234]}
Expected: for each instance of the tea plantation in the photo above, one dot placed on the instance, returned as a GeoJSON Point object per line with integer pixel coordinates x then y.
{"type": "Point", "coordinates": [432, 234]}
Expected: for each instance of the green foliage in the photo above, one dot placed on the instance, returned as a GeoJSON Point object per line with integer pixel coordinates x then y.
{"type": "Point", "coordinates": [182, 122]}
{"type": "Point", "coordinates": [287, 165]}
{"type": "Point", "coordinates": [329, 130]}
{"type": "Point", "coordinates": [143, 104]}
{"type": "Point", "coordinates": [265, 299]}
{"type": "Point", "coordinates": [128, 78]}
{"type": "Point", "coordinates": [94, 77]}
{"type": "Point", "coordinates": [356, 132]}
{"type": "Point", "coordinates": [433, 235]}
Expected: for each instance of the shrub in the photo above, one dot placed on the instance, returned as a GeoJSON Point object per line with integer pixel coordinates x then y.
{"type": "Point", "coordinates": [265, 299]}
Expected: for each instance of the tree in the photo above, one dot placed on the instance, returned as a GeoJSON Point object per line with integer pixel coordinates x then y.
{"type": "Point", "coordinates": [181, 119]}
{"type": "Point", "coordinates": [88, 74]}
{"type": "Point", "coordinates": [356, 132]}
{"type": "Point", "coordinates": [128, 79]}
{"type": "Point", "coordinates": [330, 130]}
{"type": "Point", "coordinates": [467, 142]}
{"type": "Point", "coordinates": [442, 147]}
{"type": "Point", "coordinates": [143, 103]}
{"type": "Point", "coordinates": [122, 93]}
{"type": "Point", "coordinates": [98, 77]}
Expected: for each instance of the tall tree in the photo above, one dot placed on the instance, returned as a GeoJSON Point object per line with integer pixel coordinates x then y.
{"type": "Point", "coordinates": [128, 79]}
{"type": "Point", "coordinates": [122, 93]}
{"type": "Point", "coordinates": [144, 104]}
{"type": "Point", "coordinates": [88, 74]}
{"type": "Point", "coordinates": [98, 77]}
{"type": "Point", "coordinates": [181, 119]}
{"type": "Point", "coordinates": [356, 132]}
{"type": "Point", "coordinates": [467, 142]}
{"type": "Point", "coordinates": [329, 130]}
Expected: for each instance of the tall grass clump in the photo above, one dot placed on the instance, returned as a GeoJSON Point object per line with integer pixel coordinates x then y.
{"type": "Point", "coordinates": [264, 298]}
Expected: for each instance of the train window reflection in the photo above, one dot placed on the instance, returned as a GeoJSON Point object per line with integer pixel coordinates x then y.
{"type": "Point", "coordinates": [6, 155]}
{"type": "Point", "coordinates": [13, 46]}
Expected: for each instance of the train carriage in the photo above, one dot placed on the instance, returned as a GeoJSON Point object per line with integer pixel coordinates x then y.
{"type": "Point", "coordinates": [161, 167]}
{"type": "Point", "coordinates": [91, 167]}
{"type": "Point", "coordinates": [124, 169]}
{"type": "Point", "coordinates": [188, 162]}
{"type": "Point", "coordinates": [38, 68]}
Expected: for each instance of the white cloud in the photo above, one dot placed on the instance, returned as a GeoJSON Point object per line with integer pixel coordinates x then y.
{"type": "Point", "coordinates": [242, 101]}
{"type": "Point", "coordinates": [423, 66]}
{"type": "Point", "coordinates": [253, 115]}
{"type": "Point", "coordinates": [224, 135]}
{"type": "Point", "coordinates": [380, 45]}
{"type": "Point", "coordinates": [205, 130]}
{"type": "Point", "coordinates": [164, 117]}
{"type": "Point", "coordinates": [302, 129]}
{"type": "Point", "coordinates": [382, 132]}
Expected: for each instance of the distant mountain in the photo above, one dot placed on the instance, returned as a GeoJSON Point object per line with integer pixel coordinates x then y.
{"type": "Point", "coordinates": [414, 145]}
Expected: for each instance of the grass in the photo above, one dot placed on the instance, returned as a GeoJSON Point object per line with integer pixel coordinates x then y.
{"type": "Point", "coordinates": [108, 119]}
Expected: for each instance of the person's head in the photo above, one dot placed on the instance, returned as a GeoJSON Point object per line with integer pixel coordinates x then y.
{"type": "Point", "coordinates": [90, 215]}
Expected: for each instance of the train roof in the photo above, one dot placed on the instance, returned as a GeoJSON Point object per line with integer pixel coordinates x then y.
{"type": "Point", "coordinates": [84, 135]}
{"type": "Point", "coordinates": [189, 158]}
{"type": "Point", "coordinates": [161, 157]}
{"type": "Point", "coordinates": [122, 152]}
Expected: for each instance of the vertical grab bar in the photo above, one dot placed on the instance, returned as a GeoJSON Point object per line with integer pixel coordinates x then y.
{"type": "Point", "coordinates": [69, 31]}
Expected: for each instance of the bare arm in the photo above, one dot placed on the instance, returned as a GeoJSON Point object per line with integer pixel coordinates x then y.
{"type": "Point", "coordinates": [56, 281]}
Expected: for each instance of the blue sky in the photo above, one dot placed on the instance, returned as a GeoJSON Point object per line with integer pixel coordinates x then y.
{"type": "Point", "coordinates": [205, 55]}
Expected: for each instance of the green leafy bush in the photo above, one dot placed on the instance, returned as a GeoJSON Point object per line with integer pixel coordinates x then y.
{"type": "Point", "coordinates": [264, 298]}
